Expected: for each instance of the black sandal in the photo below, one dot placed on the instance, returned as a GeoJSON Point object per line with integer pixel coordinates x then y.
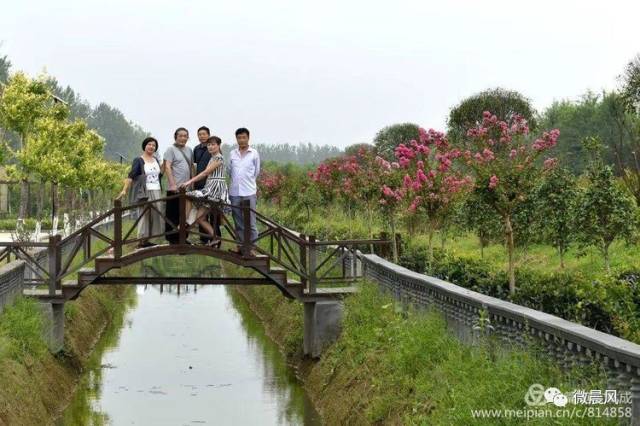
{"type": "Point", "coordinates": [214, 242]}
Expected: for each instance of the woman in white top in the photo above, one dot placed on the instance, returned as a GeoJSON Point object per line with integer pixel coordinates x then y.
{"type": "Point", "coordinates": [145, 174]}
{"type": "Point", "coordinates": [215, 191]}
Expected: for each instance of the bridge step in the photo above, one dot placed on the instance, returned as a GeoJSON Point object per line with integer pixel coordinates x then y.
{"type": "Point", "coordinates": [337, 290]}
{"type": "Point", "coordinates": [41, 292]}
{"type": "Point", "coordinates": [293, 283]}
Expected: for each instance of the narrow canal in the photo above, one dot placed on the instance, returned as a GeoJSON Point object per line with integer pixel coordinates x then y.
{"type": "Point", "coordinates": [189, 355]}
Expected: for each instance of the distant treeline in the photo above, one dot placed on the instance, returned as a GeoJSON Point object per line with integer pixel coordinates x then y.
{"type": "Point", "coordinates": [122, 137]}
{"type": "Point", "coordinates": [290, 153]}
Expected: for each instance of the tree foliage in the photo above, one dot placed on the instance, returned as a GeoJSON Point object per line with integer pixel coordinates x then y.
{"type": "Point", "coordinates": [122, 137]}
{"type": "Point", "coordinates": [504, 103]}
{"type": "Point", "coordinates": [631, 85]}
{"type": "Point", "coordinates": [5, 66]}
{"type": "Point", "coordinates": [388, 138]}
{"type": "Point", "coordinates": [23, 101]}
{"type": "Point", "coordinates": [602, 116]}
{"type": "Point", "coordinates": [506, 168]}
{"type": "Point", "coordinates": [557, 198]}
{"type": "Point", "coordinates": [605, 212]}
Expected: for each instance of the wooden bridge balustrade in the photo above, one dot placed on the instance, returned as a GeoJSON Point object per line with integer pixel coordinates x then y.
{"type": "Point", "coordinates": [296, 263]}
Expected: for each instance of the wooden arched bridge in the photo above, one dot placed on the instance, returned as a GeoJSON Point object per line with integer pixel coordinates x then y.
{"type": "Point", "coordinates": [299, 266]}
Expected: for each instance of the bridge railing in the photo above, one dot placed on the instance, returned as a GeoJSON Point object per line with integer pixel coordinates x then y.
{"type": "Point", "coordinates": [312, 262]}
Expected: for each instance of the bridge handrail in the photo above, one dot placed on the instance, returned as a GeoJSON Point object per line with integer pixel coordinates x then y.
{"type": "Point", "coordinates": [295, 252]}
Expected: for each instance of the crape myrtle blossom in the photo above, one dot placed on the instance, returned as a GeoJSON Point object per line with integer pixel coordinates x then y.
{"type": "Point", "coordinates": [431, 181]}
{"type": "Point", "coordinates": [505, 161]}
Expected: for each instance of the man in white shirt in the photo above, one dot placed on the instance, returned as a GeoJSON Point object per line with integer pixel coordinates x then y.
{"type": "Point", "coordinates": [244, 168]}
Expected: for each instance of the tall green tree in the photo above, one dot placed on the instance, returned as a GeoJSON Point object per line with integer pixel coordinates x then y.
{"type": "Point", "coordinates": [631, 85]}
{"type": "Point", "coordinates": [557, 198]}
{"type": "Point", "coordinates": [22, 103]}
{"type": "Point", "coordinates": [5, 66]}
{"type": "Point", "coordinates": [388, 138]}
{"type": "Point", "coordinates": [67, 153]}
{"type": "Point", "coordinates": [506, 104]}
{"type": "Point", "coordinates": [605, 211]}
{"type": "Point", "coordinates": [474, 214]}
{"type": "Point", "coordinates": [122, 137]}
{"type": "Point", "coordinates": [603, 116]}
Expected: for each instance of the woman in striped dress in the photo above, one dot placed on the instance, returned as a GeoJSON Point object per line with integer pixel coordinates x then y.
{"type": "Point", "coordinates": [215, 190]}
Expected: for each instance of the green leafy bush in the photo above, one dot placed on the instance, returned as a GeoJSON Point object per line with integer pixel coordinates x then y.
{"type": "Point", "coordinates": [608, 304]}
{"type": "Point", "coordinates": [30, 224]}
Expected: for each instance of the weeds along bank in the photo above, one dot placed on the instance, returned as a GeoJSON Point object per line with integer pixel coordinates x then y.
{"type": "Point", "coordinates": [402, 367]}
{"type": "Point", "coordinates": [35, 386]}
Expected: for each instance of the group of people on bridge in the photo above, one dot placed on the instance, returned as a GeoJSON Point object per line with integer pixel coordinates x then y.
{"type": "Point", "coordinates": [203, 173]}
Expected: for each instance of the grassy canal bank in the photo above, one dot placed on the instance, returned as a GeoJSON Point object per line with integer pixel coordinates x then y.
{"type": "Point", "coordinates": [396, 367]}
{"type": "Point", "coordinates": [35, 386]}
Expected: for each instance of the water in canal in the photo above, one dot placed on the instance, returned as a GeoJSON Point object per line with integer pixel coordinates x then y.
{"type": "Point", "coordinates": [188, 356]}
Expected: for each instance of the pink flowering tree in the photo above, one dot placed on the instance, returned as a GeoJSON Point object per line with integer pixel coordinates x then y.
{"type": "Point", "coordinates": [326, 177]}
{"type": "Point", "coordinates": [431, 181]}
{"type": "Point", "coordinates": [270, 185]}
{"type": "Point", "coordinates": [367, 174]}
{"type": "Point", "coordinates": [304, 193]}
{"type": "Point", "coordinates": [507, 164]}
{"type": "Point", "coordinates": [392, 196]}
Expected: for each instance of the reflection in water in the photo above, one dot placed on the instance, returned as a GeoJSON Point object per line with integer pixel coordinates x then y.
{"type": "Point", "coordinates": [189, 355]}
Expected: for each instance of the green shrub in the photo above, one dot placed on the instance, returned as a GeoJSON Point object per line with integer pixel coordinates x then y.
{"type": "Point", "coordinates": [609, 304]}
{"type": "Point", "coordinates": [30, 224]}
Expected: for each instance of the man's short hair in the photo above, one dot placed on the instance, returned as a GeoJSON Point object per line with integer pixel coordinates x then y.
{"type": "Point", "coordinates": [242, 130]}
{"type": "Point", "coordinates": [214, 139]}
{"type": "Point", "coordinates": [205, 128]}
{"type": "Point", "coordinates": [179, 129]}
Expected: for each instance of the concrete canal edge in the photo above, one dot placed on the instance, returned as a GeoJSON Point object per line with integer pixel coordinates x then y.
{"type": "Point", "coordinates": [36, 389]}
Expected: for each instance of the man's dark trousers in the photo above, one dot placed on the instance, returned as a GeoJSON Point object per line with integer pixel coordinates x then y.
{"type": "Point", "coordinates": [172, 211]}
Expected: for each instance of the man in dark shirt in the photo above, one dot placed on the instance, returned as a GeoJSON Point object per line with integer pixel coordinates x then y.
{"type": "Point", "coordinates": [201, 158]}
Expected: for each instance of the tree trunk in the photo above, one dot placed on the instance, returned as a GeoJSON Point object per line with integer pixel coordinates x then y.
{"type": "Point", "coordinates": [74, 207]}
{"type": "Point", "coordinates": [41, 197]}
{"type": "Point", "coordinates": [605, 251]}
{"type": "Point", "coordinates": [510, 250]}
{"type": "Point", "coordinates": [24, 189]}
{"type": "Point", "coordinates": [350, 219]}
{"type": "Point", "coordinates": [54, 205]}
{"type": "Point", "coordinates": [24, 199]}
{"type": "Point", "coordinates": [561, 251]}
{"type": "Point", "coordinates": [394, 241]}
{"type": "Point", "coordinates": [370, 226]}
{"type": "Point", "coordinates": [430, 246]}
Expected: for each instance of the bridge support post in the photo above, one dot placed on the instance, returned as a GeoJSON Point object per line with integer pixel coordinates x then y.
{"type": "Point", "coordinates": [322, 326]}
{"type": "Point", "coordinates": [53, 330]}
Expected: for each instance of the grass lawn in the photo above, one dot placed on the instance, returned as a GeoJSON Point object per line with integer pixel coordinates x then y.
{"type": "Point", "coordinates": [538, 257]}
{"type": "Point", "coordinates": [543, 258]}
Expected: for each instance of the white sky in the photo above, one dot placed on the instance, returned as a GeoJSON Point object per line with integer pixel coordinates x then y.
{"type": "Point", "coordinates": [324, 72]}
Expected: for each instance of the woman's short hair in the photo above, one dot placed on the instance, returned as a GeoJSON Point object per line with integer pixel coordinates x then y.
{"type": "Point", "coordinates": [148, 140]}
{"type": "Point", "coordinates": [214, 139]}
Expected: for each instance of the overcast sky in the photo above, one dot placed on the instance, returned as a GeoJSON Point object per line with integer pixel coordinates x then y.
{"type": "Point", "coordinates": [327, 71]}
